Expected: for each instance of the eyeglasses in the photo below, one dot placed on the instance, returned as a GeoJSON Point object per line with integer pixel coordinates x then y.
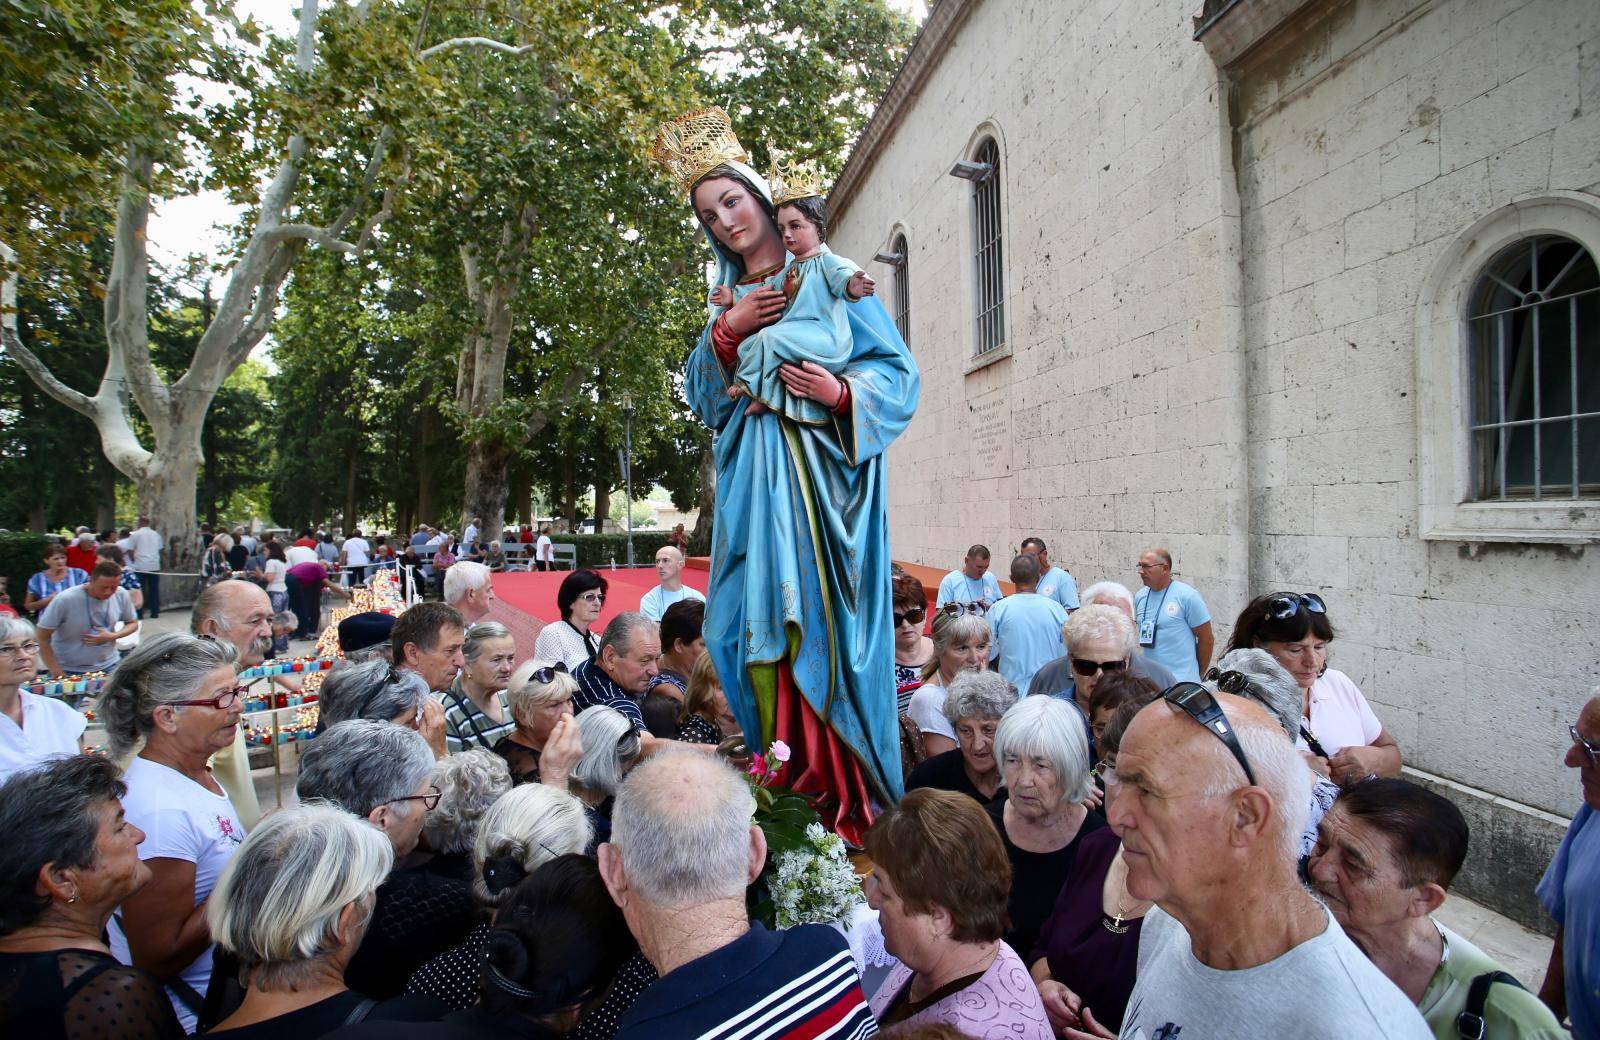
{"type": "Point", "coordinates": [1105, 770]}
{"type": "Point", "coordinates": [1083, 666]}
{"type": "Point", "coordinates": [593, 597]}
{"type": "Point", "coordinates": [1196, 701]}
{"type": "Point", "coordinates": [1591, 750]}
{"type": "Point", "coordinates": [914, 615]}
{"type": "Point", "coordinates": [429, 800]}
{"type": "Point", "coordinates": [21, 650]}
{"type": "Point", "coordinates": [221, 702]}
{"type": "Point", "coordinates": [1284, 605]}
{"type": "Point", "coordinates": [547, 675]}
{"type": "Point", "coordinates": [961, 609]}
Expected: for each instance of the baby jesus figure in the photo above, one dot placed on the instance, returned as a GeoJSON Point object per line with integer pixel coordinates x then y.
{"type": "Point", "coordinates": [814, 326]}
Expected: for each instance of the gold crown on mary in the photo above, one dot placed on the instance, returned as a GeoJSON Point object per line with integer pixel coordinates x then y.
{"type": "Point", "coordinates": [792, 180]}
{"type": "Point", "coordinates": [696, 143]}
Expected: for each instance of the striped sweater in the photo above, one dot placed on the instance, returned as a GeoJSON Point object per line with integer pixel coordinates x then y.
{"type": "Point", "coordinates": [799, 984]}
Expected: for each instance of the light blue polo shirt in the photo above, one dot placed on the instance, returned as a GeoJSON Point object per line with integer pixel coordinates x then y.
{"type": "Point", "coordinates": [1060, 586]}
{"type": "Point", "coordinates": [1570, 893]}
{"type": "Point", "coordinates": [958, 588]}
{"type": "Point", "coordinates": [1172, 615]}
{"type": "Point", "coordinates": [1027, 635]}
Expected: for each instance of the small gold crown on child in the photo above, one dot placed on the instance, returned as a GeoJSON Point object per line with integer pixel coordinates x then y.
{"type": "Point", "coordinates": [696, 143]}
{"type": "Point", "coordinates": [792, 180]}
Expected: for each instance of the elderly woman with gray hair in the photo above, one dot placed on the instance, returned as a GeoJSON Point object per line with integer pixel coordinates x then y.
{"type": "Point", "coordinates": [377, 690]}
{"type": "Point", "coordinates": [1258, 675]}
{"type": "Point", "coordinates": [524, 829]}
{"type": "Point", "coordinates": [469, 783]}
{"type": "Point", "coordinates": [32, 728]}
{"type": "Point", "coordinates": [62, 873]}
{"type": "Point", "coordinates": [292, 907]}
{"type": "Point", "coordinates": [960, 644]}
{"type": "Point", "coordinates": [383, 773]}
{"type": "Point", "coordinates": [476, 712]}
{"type": "Point", "coordinates": [1044, 761]}
{"type": "Point", "coordinates": [169, 706]}
{"type": "Point", "coordinates": [974, 705]}
{"type": "Point", "coordinates": [611, 747]}
{"type": "Point", "coordinates": [543, 746]}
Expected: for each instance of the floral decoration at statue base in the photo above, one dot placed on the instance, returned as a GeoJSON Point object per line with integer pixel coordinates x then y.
{"type": "Point", "coordinates": [807, 878]}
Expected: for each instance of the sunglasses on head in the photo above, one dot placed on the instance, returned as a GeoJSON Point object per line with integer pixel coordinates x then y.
{"type": "Point", "coordinates": [1284, 605]}
{"type": "Point", "coordinates": [1084, 666]}
{"type": "Point", "coordinates": [1196, 701]}
{"type": "Point", "coordinates": [914, 615]}
{"type": "Point", "coordinates": [961, 609]}
{"type": "Point", "coordinates": [547, 675]}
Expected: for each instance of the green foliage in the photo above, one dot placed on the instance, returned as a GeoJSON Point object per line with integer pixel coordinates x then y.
{"type": "Point", "coordinates": [21, 556]}
{"type": "Point", "coordinates": [600, 550]}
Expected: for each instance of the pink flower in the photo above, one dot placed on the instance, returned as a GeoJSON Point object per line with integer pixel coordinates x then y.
{"type": "Point", "coordinates": [779, 751]}
{"type": "Point", "coordinates": [758, 766]}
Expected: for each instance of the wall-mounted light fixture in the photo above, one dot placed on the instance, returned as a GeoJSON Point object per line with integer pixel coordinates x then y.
{"type": "Point", "coordinates": [976, 172]}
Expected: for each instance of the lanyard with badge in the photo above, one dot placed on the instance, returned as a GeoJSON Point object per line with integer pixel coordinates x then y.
{"type": "Point", "coordinates": [979, 599]}
{"type": "Point", "coordinates": [1149, 620]}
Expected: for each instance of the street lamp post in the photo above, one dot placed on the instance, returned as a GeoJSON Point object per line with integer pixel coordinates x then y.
{"type": "Point", "coordinates": [627, 466]}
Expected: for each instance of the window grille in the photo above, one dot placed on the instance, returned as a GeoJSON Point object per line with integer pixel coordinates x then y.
{"type": "Point", "coordinates": [902, 289]}
{"type": "Point", "coordinates": [990, 287]}
{"type": "Point", "coordinates": [1534, 342]}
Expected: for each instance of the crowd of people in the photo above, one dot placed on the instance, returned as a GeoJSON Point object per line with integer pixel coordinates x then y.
{"type": "Point", "coordinates": [1104, 832]}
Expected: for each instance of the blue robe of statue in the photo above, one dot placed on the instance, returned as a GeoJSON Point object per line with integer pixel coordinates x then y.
{"type": "Point", "coordinates": [800, 564]}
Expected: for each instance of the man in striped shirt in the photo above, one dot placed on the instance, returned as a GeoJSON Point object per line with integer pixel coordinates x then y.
{"type": "Point", "coordinates": [682, 851]}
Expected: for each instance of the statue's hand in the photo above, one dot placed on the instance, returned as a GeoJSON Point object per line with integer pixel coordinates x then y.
{"type": "Point", "coordinates": [755, 310]}
{"type": "Point", "coordinates": [809, 379]}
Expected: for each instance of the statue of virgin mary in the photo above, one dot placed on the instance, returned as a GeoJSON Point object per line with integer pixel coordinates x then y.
{"type": "Point", "coordinates": [798, 618]}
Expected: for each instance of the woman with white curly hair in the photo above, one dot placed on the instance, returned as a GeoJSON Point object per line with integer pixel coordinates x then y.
{"type": "Point", "coordinates": [974, 705]}
{"type": "Point", "coordinates": [469, 783]}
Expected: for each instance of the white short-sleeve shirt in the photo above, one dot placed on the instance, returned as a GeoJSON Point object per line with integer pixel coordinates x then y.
{"type": "Point", "coordinates": [49, 729]}
{"type": "Point", "coordinates": [357, 553]}
{"type": "Point", "coordinates": [181, 820]}
{"type": "Point", "coordinates": [927, 710]}
{"type": "Point", "coordinates": [1340, 714]}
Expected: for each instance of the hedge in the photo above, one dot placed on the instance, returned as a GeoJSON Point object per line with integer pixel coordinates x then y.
{"type": "Point", "coordinates": [21, 557]}
{"type": "Point", "coordinates": [598, 550]}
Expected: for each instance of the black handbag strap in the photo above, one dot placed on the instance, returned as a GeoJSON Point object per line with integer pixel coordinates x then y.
{"type": "Point", "coordinates": [1470, 1023]}
{"type": "Point", "coordinates": [360, 1012]}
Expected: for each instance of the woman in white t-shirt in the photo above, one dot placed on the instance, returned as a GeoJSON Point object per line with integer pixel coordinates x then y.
{"type": "Point", "coordinates": [276, 567]}
{"type": "Point", "coordinates": [32, 728]}
{"type": "Point", "coordinates": [173, 703]}
{"type": "Point", "coordinates": [1341, 736]}
{"type": "Point", "coordinates": [960, 644]}
{"type": "Point", "coordinates": [544, 550]}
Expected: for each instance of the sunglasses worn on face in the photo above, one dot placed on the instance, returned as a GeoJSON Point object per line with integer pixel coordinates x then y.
{"type": "Point", "coordinates": [546, 676]}
{"type": "Point", "coordinates": [221, 702]}
{"type": "Point", "coordinates": [1084, 666]}
{"type": "Point", "coordinates": [1285, 605]}
{"type": "Point", "coordinates": [914, 615]}
{"type": "Point", "coordinates": [1196, 702]}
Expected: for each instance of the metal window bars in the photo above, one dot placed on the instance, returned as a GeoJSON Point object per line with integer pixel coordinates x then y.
{"type": "Point", "coordinates": [989, 273]}
{"type": "Point", "coordinates": [1534, 328]}
{"type": "Point", "coordinates": [902, 289]}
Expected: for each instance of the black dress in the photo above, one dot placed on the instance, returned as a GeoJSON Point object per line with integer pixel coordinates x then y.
{"type": "Point", "coordinates": [521, 759]}
{"type": "Point", "coordinates": [697, 729]}
{"type": "Point", "coordinates": [325, 1016]}
{"type": "Point", "coordinates": [1036, 878]}
{"type": "Point", "coordinates": [81, 995]}
{"type": "Point", "coordinates": [946, 772]}
{"type": "Point", "coordinates": [417, 916]}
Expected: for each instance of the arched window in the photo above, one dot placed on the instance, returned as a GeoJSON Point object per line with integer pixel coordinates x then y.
{"type": "Point", "coordinates": [989, 269]}
{"type": "Point", "coordinates": [1534, 369]}
{"type": "Point", "coordinates": [902, 288]}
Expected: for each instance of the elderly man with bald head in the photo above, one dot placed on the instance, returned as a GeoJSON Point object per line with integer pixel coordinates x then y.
{"type": "Point", "coordinates": [1210, 798]}
{"type": "Point", "coordinates": [1570, 890]}
{"type": "Point", "coordinates": [669, 568]}
{"type": "Point", "coordinates": [238, 613]}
